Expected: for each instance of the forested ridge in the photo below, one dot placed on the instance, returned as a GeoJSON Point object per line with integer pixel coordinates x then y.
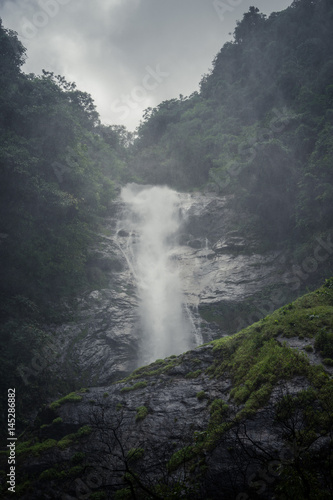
{"type": "Point", "coordinates": [261, 126]}
{"type": "Point", "coordinates": [260, 129]}
{"type": "Point", "coordinates": [59, 167]}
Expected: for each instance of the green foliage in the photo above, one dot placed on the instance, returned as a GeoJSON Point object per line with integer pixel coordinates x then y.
{"type": "Point", "coordinates": [135, 454]}
{"type": "Point", "coordinates": [72, 397]}
{"type": "Point", "coordinates": [69, 439]}
{"type": "Point", "coordinates": [260, 128]}
{"type": "Point", "coordinates": [218, 411]}
{"type": "Point", "coordinates": [180, 457]}
{"type": "Point", "coordinates": [201, 395]}
{"type": "Point", "coordinates": [58, 170]}
{"type": "Point", "coordinates": [57, 420]}
{"type": "Point", "coordinates": [193, 374]}
{"type": "Point", "coordinates": [141, 413]}
{"type": "Point", "coordinates": [324, 342]}
{"type": "Point", "coordinates": [84, 431]}
{"type": "Point", "coordinates": [35, 449]}
{"type": "Point", "coordinates": [138, 385]}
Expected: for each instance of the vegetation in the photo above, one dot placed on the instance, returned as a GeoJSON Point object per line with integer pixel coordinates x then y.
{"type": "Point", "coordinates": [138, 385]}
{"type": "Point", "coordinates": [69, 398]}
{"type": "Point", "coordinates": [141, 413]}
{"type": "Point", "coordinates": [59, 168]}
{"type": "Point", "coordinates": [260, 128]}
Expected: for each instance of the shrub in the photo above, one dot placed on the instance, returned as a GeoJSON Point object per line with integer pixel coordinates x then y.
{"type": "Point", "coordinates": [135, 454]}
{"type": "Point", "coordinates": [71, 397]}
{"type": "Point", "coordinates": [324, 343]}
{"type": "Point", "coordinates": [138, 385]}
{"type": "Point", "coordinates": [141, 413]}
{"type": "Point", "coordinates": [57, 421]}
{"type": "Point", "coordinates": [193, 374]}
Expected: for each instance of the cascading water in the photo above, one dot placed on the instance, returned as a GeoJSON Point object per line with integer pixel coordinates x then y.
{"type": "Point", "coordinates": [152, 220]}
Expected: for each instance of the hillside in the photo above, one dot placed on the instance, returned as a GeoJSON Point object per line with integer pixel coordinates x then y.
{"type": "Point", "coordinates": [59, 170]}
{"type": "Point", "coordinates": [260, 128]}
{"type": "Point", "coordinates": [248, 416]}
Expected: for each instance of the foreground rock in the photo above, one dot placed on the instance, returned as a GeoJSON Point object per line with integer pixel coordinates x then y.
{"type": "Point", "coordinates": [243, 417]}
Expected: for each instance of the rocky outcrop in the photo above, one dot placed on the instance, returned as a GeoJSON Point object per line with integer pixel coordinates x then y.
{"type": "Point", "coordinates": [247, 416]}
{"type": "Point", "coordinates": [226, 284]}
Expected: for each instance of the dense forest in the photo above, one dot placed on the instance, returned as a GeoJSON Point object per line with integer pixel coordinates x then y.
{"type": "Point", "coordinates": [260, 129]}
{"type": "Point", "coordinates": [59, 169]}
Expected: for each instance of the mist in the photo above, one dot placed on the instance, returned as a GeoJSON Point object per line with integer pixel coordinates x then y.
{"type": "Point", "coordinates": [152, 222]}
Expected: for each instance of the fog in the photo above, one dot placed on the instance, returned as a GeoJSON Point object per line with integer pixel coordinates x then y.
{"type": "Point", "coordinates": [152, 221]}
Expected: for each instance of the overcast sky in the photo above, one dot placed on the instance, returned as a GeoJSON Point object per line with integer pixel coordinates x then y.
{"type": "Point", "coordinates": [128, 54]}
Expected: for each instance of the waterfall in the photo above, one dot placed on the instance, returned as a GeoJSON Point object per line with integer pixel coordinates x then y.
{"type": "Point", "coordinates": [151, 220]}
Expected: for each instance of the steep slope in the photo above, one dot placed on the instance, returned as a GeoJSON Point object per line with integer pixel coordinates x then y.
{"type": "Point", "coordinates": [58, 170]}
{"type": "Point", "coordinates": [247, 416]}
{"type": "Point", "coordinates": [261, 126]}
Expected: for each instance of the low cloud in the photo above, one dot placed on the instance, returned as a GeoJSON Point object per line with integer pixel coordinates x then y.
{"type": "Point", "coordinates": [108, 47]}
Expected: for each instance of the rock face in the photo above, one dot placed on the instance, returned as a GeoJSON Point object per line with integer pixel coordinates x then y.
{"type": "Point", "coordinates": [226, 284]}
{"type": "Point", "coordinates": [246, 416]}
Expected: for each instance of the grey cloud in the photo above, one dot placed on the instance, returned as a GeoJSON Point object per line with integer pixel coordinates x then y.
{"type": "Point", "coordinates": [108, 47]}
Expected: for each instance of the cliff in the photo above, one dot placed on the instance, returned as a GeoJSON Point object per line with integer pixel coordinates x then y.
{"type": "Point", "coordinates": [246, 416]}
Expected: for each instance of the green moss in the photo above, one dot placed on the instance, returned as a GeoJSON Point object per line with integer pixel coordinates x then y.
{"type": "Point", "coordinates": [141, 413]}
{"type": "Point", "coordinates": [201, 395]}
{"type": "Point", "coordinates": [193, 374]}
{"type": "Point", "coordinates": [57, 420]}
{"type": "Point", "coordinates": [35, 449]}
{"type": "Point", "coordinates": [119, 406]}
{"type": "Point", "coordinates": [308, 348]}
{"type": "Point", "coordinates": [324, 342]}
{"type": "Point", "coordinates": [84, 431]}
{"type": "Point", "coordinates": [49, 475]}
{"type": "Point", "coordinates": [135, 454]}
{"type": "Point", "coordinates": [73, 397]}
{"type": "Point", "coordinates": [328, 361]}
{"type": "Point", "coordinates": [66, 441]}
{"type": "Point", "coordinates": [138, 385]}
{"type": "Point", "coordinates": [105, 395]}
{"type": "Point", "coordinates": [218, 412]}
{"type": "Point", "coordinates": [180, 457]}
{"type": "Point", "coordinates": [60, 474]}
{"type": "Point", "coordinates": [158, 367]}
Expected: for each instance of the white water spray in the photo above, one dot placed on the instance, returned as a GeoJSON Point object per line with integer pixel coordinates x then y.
{"type": "Point", "coordinates": [152, 222]}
